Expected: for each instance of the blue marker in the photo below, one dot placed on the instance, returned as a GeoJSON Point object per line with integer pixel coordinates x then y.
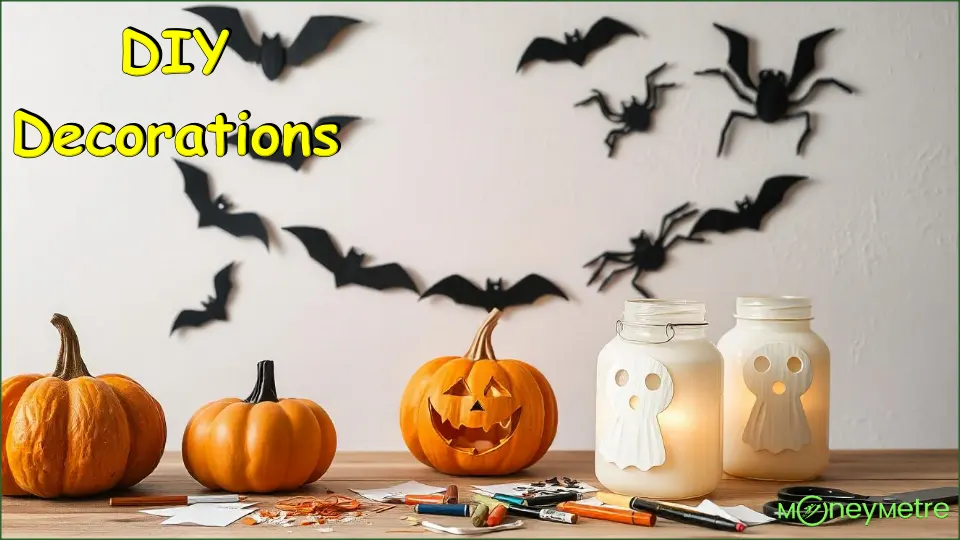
{"type": "Point", "coordinates": [459, 510]}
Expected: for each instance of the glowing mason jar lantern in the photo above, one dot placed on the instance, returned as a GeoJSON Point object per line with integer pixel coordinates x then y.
{"type": "Point", "coordinates": [776, 391]}
{"type": "Point", "coordinates": [659, 403]}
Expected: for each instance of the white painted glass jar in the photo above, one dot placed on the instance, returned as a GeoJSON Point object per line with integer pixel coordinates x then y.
{"type": "Point", "coordinates": [776, 391]}
{"type": "Point", "coordinates": [659, 403]}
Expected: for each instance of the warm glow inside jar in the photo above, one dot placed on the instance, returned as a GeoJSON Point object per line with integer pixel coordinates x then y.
{"type": "Point", "coordinates": [776, 391]}
{"type": "Point", "coordinates": [659, 403]}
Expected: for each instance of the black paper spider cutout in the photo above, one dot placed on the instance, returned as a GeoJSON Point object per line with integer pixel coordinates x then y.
{"type": "Point", "coordinates": [634, 116]}
{"type": "Point", "coordinates": [647, 255]}
{"type": "Point", "coordinates": [773, 101]}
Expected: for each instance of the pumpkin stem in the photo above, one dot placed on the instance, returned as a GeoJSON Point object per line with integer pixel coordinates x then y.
{"type": "Point", "coordinates": [266, 387]}
{"type": "Point", "coordinates": [69, 363]}
{"type": "Point", "coordinates": [482, 346]}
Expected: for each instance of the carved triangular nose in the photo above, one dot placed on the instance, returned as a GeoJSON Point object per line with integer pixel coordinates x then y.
{"type": "Point", "coordinates": [476, 407]}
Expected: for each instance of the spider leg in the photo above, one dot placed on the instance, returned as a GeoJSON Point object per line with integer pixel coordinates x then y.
{"type": "Point", "coordinates": [604, 258]}
{"type": "Point", "coordinates": [807, 130]}
{"type": "Point", "coordinates": [601, 102]}
{"type": "Point", "coordinates": [723, 133]}
{"type": "Point", "coordinates": [726, 76]}
{"type": "Point", "coordinates": [613, 137]}
{"type": "Point", "coordinates": [817, 84]}
{"type": "Point", "coordinates": [614, 274]}
{"type": "Point", "coordinates": [640, 288]}
{"type": "Point", "coordinates": [679, 237]}
{"type": "Point", "coordinates": [672, 218]}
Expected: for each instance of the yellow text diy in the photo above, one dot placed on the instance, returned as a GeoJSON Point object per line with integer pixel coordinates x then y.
{"type": "Point", "coordinates": [104, 139]}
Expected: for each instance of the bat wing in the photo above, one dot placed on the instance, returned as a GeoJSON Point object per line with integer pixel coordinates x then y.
{"type": "Point", "coordinates": [806, 61]}
{"type": "Point", "coordinates": [546, 49]}
{"type": "Point", "coordinates": [319, 246]}
{"type": "Point", "coordinates": [529, 289]}
{"type": "Point", "coordinates": [222, 285]}
{"type": "Point", "coordinates": [295, 161]}
{"type": "Point", "coordinates": [190, 318]}
{"type": "Point", "coordinates": [221, 18]}
{"type": "Point", "coordinates": [717, 220]}
{"type": "Point", "coordinates": [196, 185]}
{"type": "Point", "coordinates": [315, 37]}
{"type": "Point", "coordinates": [604, 31]}
{"type": "Point", "coordinates": [245, 224]}
{"type": "Point", "coordinates": [383, 277]}
{"type": "Point", "coordinates": [459, 289]}
{"type": "Point", "coordinates": [739, 55]}
{"type": "Point", "coordinates": [772, 193]}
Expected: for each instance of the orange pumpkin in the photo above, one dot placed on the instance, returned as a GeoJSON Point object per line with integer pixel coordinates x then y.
{"type": "Point", "coordinates": [69, 434]}
{"type": "Point", "coordinates": [476, 415]}
{"type": "Point", "coordinates": [261, 444]}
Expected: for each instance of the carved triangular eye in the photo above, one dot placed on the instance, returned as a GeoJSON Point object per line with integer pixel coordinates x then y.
{"type": "Point", "coordinates": [495, 389]}
{"type": "Point", "coordinates": [459, 388]}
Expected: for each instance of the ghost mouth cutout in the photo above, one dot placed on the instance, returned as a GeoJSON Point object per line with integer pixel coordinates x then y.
{"type": "Point", "coordinates": [474, 440]}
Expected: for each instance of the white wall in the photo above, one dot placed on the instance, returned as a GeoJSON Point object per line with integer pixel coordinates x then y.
{"type": "Point", "coordinates": [464, 166]}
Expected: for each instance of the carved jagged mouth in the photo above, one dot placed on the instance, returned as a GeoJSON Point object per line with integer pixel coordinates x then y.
{"type": "Point", "coordinates": [474, 440]}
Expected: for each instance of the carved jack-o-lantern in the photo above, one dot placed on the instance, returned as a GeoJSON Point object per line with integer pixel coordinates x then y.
{"type": "Point", "coordinates": [476, 415]}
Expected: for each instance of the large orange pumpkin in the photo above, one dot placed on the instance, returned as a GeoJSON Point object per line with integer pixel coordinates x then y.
{"type": "Point", "coordinates": [261, 444]}
{"type": "Point", "coordinates": [475, 415]}
{"type": "Point", "coordinates": [69, 434]}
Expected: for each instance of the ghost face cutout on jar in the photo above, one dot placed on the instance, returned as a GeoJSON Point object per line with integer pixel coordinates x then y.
{"type": "Point", "coordinates": [777, 374]}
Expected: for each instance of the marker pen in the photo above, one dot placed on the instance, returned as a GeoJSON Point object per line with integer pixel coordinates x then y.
{"type": "Point", "coordinates": [544, 514]}
{"type": "Point", "coordinates": [459, 510]}
{"type": "Point", "coordinates": [553, 499]}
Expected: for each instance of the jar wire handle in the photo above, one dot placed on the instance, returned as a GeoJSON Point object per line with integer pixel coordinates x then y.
{"type": "Point", "coordinates": [669, 329]}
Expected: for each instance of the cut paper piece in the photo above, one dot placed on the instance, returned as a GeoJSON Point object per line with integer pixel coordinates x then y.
{"type": "Point", "coordinates": [777, 374]}
{"type": "Point", "coordinates": [638, 389]}
{"type": "Point", "coordinates": [734, 513]}
{"type": "Point", "coordinates": [649, 254]}
{"type": "Point", "coordinates": [216, 212]}
{"type": "Point", "coordinates": [207, 515]}
{"type": "Point", "coordinates": [214, 308]}
{"type": "Point", "coordinates": [348, 269]}
{"type": "Point", "coordinates": [296, 159]}
{"type": "Point", "coordinates": [518, 489]}
{"type": "Point", "coordinates": [634, 116]}
{"type": "Point", "coordinates": [773, 101]}
{"type": "Point", "coordinates": [173, 510]}
{"type": "Point", "coordinates": [750, 213]}
{"type": "Point", "coordinates": [398, 492]}
{"type": "Point", "coordinates": [464, 292]}
{"type": "Point", "coordinates": [314, 38]}
{"type": "Point", "coordinates": [471, 531]}
{"type": "Point", "coordinates": [576, 48]}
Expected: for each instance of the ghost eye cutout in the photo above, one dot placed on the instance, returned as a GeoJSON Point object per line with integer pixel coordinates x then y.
{"type": "Point", "coordinates": [495, 389]}
{"type": "Point", "coordinates": [761, 364]}
{"type": "Point", "coordinates": [794, 364]}
{"type": "Point", "coordinates": [652, 381]}
{"type": "Point", "coordinates": [622, 377]}
{"type": "Point", "coordinates": [459, 388]}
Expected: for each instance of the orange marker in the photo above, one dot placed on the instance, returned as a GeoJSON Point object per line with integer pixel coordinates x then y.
{"type": "Point", "coordinates": [606, 513]}
{"type": "Point", "coordinates": [496, 516]}
{"type": "Point", "coordinates": [418, 499]}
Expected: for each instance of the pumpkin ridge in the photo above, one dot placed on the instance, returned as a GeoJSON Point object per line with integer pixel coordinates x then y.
{"type": "Point", "coordinates": [13, 390]}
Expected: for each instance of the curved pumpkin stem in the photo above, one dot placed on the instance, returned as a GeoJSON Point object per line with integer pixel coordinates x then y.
{"type": "Point", "coordinates": [482, 346]}
{"type": "Point", "coordinates": [266, 387]}
{"type": "Point", "coordinates": [69, 364]}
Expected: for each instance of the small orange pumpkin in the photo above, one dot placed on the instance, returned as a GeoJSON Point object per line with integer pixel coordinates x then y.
{"type": "Point", "coordinates": [261, 444]}
{"type": "Point", "coordinates": [476, 415]}
{"type": "Point", "coordinates": [69, 434]}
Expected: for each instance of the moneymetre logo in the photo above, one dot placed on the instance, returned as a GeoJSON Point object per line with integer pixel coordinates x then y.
{"type": "Point", "coordinates": [813, 511]}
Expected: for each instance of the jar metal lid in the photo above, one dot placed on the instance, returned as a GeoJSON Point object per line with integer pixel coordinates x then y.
{"type": "Point", "coordinates": [782, 308]}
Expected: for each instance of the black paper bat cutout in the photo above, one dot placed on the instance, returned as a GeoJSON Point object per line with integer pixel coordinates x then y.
{"type": "Point", "coordinates": [216, 212]}
{"type": "Point", "coordinates": [463, 291]}
{"type": "Point", "coordinates": [273, 57]}
{"type": "Point", "coordinates": [750, 213]}
{"type": "Point", "coordinates": [214, 308]}
{"type": "Point", "coordinates": [576, 48]}
{"type": "Point", "coordinates": [296, 159]}
{"type": "Point", "coordinates": [634, 116]}
{"type": "Point", "coordinates": [773, 101]}
{"type": "Point", "coordinates": [648, 254]}
{"type": "Point", "coordinates": [347, 269]}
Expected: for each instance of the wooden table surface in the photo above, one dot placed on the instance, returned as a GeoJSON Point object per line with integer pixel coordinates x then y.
{"type": "Point", "coordinates": [871, 473]}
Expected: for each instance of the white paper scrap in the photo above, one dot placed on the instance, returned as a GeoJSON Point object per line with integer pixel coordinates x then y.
{"type": "Point", "coordinates": [172, 511]}
{"type": "Point", "coordinates": [398, 491]}
{"type": "Point", "coordinates": [517, 490]}
{"type": "Point", "coordinates": [471, 531]}
{"type": "Point", "coordinates": [734, 513]}
{"type": "Point", "coordinates": [207, 515]}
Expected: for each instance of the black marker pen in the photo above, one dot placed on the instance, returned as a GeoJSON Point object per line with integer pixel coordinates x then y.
{"type": "Point", "coordinates": [554, 499]}
{"type": "Point", "coordinates": [544, 514]}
